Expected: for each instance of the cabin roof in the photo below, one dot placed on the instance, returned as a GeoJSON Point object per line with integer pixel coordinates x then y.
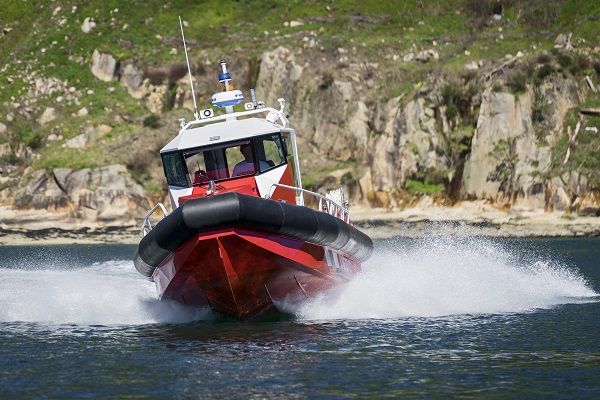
{"type": "Point", "coordinates": [220, 132]}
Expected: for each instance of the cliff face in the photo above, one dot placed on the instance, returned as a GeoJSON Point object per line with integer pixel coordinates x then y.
{"type": "Point", "coordinates": [509, 160]}
{"type": "Point", "coordinates": [392, 102]}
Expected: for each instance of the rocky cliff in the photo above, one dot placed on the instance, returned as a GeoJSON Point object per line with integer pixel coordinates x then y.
{"type": "Point", "coordinates": [402, 107]}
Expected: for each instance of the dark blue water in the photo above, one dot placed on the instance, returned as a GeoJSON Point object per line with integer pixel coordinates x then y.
{"type": "Point", "coordinates": [437, 318]}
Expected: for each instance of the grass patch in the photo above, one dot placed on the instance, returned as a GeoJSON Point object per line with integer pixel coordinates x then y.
{"type": "Point", "coordinates": [418, 187]}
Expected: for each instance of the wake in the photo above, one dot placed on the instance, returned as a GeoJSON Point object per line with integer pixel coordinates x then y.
{"type": "Point", "coordinates": [108, 293]}
{"type": "Point", "coordinates": [449, 276]}
{"type": "Point", "coordinates": [433, 278]}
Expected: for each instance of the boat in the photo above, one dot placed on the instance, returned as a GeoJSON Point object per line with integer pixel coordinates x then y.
{"type": "Point", "coordinates": [244, 238]}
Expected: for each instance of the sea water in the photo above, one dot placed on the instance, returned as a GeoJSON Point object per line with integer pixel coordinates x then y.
{"type": "Point", "coordinates": [458, 316]}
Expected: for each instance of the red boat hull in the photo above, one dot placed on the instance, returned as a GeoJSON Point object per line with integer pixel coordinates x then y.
{"type": "Point", "coordinates": [243, 273]}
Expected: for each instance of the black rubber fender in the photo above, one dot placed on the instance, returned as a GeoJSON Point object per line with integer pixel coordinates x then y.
{"type": "Point", "coordinates": [255, 213]}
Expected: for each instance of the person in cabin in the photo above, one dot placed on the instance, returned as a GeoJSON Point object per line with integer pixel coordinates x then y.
{"type": "Point", "coordinates": [246, 166]}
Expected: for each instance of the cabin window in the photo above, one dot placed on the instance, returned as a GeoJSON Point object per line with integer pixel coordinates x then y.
{"type": "Point", "coordinates": [246, 157]}
{"type": "Point", "coordinates": [175, 169]}
{"type": "Point", "coordinates": [270, 152]}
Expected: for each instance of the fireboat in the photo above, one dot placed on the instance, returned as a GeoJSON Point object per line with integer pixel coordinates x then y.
{"type": "Point", "coordinates": [244, 238]}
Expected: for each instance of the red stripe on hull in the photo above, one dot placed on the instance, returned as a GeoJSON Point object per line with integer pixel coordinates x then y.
{"type": "Point", "coordinates": [243, 273]}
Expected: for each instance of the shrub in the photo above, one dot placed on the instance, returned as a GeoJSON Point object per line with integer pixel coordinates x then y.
{"type": "Point", "coordinates": [597, 67]}
{"type": "Point", "coordinates": [544, 71]}
{"type": "Point", "coordinates": [580, 64]}
{"type": "Point", "coordinates": [544, 58]}
{"type": "Point", "coordinates": [539, 13]}
{"type": "Point", "coordinates": [419, 187]}
{"type": "Point", "coordinates": [517, 82]}
{"type": "Point", "coordinates": [151, 121]}
{"type": "Point", "coordinates": [564, 60]}
{"type": "Point", "coordinates": [35, 141]}
{"type": "Point", "coordinates": [451, 111]}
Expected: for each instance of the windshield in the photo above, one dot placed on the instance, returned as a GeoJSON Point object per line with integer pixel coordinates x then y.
{"type": "Point", "coordinates": [225, 161]}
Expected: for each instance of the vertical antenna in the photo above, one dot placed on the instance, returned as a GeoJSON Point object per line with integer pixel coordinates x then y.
{"type": "Point", "coordinates": [189, 69]}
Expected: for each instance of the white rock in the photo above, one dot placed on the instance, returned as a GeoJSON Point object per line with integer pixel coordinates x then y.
{"type": "Point", "coordinates": [56, 11]}
{"type": "Point", "coordinates": [561, 40]}
{"type": "Point", "coordinates": [3, 128]}
{"type": "Point", "coordinates": [88, 25]}
{"type": "Point", "coordinates": [78, 142]}
{"type": "Point", "coordinates": [426, 55]}
{"type": "Point", "coordinates": [48, 115]}
{"type": "Point", "coordinates": [471, 66]}
{"type": "Point", "coordinates": [82, 112]}
{"type": "Point", "coordinates": [408, 57]}
{"type": "Point", "coordinates": [296, 23]}
{"type": "Point", "coordinates": [104, 66]}
{"type": "Point", "coordinates": [520, 54]}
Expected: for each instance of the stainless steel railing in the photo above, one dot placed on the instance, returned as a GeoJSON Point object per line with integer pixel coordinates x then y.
{"type": "Point", "coordinates": [147, 224]}
{"type": "Point", "coordinates": [324, 204]}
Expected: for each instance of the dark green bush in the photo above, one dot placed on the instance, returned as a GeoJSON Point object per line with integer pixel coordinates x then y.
{"type": "Point", "coordinates": [451, 111]}
{"type": "Point", "coordinates": [35, 141]}
{"type": "Point", "coordinates": [597, 67]}
{"type": "Point", "coordinates": [544, 58]}
{"type": "Point", "coordinates": [517, 81]}
{"type": "Point", "coordinates": [544, 71]}
{"type": "Point", "coordinates": [151, 121]}
{"type": "Point", "coordinates": [564, 60]}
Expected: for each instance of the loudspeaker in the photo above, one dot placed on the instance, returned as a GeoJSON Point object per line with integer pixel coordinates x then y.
{"type": "Point", "coordinates": [207, 113]}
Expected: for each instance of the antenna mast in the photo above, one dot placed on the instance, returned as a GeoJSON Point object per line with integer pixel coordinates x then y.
{"type": "Point", "coordinates": [189, 69]}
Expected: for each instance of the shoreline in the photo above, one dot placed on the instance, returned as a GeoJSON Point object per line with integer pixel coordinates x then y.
{"type": "Point", "coordinates": [39, 227]}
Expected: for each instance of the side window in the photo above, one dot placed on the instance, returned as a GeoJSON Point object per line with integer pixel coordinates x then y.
{"type": "Point", "coordinates": [175, 169]}
{"type": "Point", "coordinates": [270, 152]}
{"type": "Point", "coordinates": [197, 167]}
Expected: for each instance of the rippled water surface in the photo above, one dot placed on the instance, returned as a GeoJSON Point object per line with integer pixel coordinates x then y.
{"type": "Point", "coordinates": [437, 317]}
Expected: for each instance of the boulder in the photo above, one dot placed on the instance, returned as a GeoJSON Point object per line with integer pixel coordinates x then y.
{"type": "Point", "coordinates": [90, 135]}
{"type": "Point", "coordinates": [41, 192]}
{"type": "Point", "coordinates": [88, 25]}
{"type": "Point", "coordinates": [132, 78]}
{"type": "Point", "coordinates": [471, 66]}
{"type": "Point", "coordinates": [103, 194]}
{"type": "Point", "coordinates": [47, 116]}
{"type": "Point", "coordinates": [427, 55]}
{"type": "Point", "coordinates": [104, 66]}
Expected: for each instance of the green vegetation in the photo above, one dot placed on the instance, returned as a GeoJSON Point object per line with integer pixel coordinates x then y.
{"type": "Point", "coordinates": [418, 187]}
{"type": "Point", "coordinates": [584, 152]}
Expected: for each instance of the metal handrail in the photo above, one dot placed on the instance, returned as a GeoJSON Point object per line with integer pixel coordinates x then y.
{"type": "Point", "coordinates": [326, 205]}
{"type": "Point", "coordinates": [147, 224]}
{"type": "Point", "coordinates": [200, 122]}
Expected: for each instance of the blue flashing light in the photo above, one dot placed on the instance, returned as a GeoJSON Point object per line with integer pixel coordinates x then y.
{"type": "Point", "coordinates": [224, 76]}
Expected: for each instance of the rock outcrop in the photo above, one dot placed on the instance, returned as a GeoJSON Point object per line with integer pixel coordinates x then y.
{"type": "Point", "coordinates": [102, 194]}
{"type": "Point", "coordinates": [508, 161]}
{"type": "Point", "coordinates": [104, 66]}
